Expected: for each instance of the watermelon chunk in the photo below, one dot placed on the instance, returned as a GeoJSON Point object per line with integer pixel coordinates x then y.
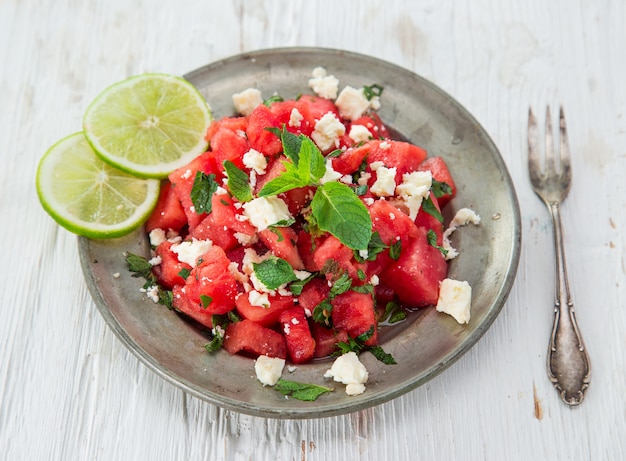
{"type": "Point", "coordinates": [416, 275]}
{"type": "Point", "coordinates": [300, 343]}
{"type": "Point", "coordinates": [266, 316]}
{"type": "Point", "coordinates": [168, 213]}
{"type": "Point", "coordinates": [354, 312]}
{"type": "Point", "coordinates": [254, 339]}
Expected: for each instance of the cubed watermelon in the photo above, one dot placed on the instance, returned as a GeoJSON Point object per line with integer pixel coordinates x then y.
{"type": "Point", "coordinates": [416, 275]}
{"type": "Point", "coordinates": [354, 312]}
{"type": "Point", "coordinates": [300, 343]}
{"type": "Point", "coordinates": [263, 315]}
{"type": "Point", "coordinates": [254, 339]}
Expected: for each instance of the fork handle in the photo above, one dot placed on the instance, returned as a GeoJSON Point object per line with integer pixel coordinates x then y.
{"type": "Point", "coordinates": [568, 363]}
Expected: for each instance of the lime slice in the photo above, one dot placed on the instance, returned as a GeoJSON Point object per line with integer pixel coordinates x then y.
{"type": "Point", "coordinates": [148, 125]}
{"type": "Point", "coordinates": [88, 196]}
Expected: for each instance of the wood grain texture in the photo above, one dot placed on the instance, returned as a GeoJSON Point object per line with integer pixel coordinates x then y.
{"type": "Point", "coordinates": [68, 388]}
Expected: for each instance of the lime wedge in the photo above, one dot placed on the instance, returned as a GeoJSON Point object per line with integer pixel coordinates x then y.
{"type": "Point", "coordinates": [88, 196]}
{"type": "Point", "coordinates": [148, 125]}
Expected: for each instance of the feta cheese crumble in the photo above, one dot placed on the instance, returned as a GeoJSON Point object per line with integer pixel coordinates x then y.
{"type": "Point", "coordinates": [462, 217]}
{"type": "Point", "coordinates": [246, 101]}
{"type": "Point", "coordinates": [347, 369]}
{"type": "Point", "coordinates": [352, 103]}
{"type": "Point", "coordinates": [327, 132]}
{"type": "Point", "coordinates": [360, 133]}
{"type": "Point", "coordinates": [455, 299]}
{"type": "Point", "coordinates": [385, 184]}
{"type": "Point", "coordinates": [190, 251]}
{"type": "Point", "coordinates": [265, 211]}
{"type": "Point", "coordinates": [324, 85]}
{"type": "Point", "coordinates": [255, 160]}
{"type": "Point", "coordinates": [414, 188]}
{"type": "Point", "coordinates": [268, 369]}
{"type": "Point", "coordinates": [330, 175]}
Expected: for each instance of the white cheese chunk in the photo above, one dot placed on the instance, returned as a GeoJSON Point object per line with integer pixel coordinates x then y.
{"type": "Point", "coordinates": [265, 211]}
{"type": "Point", "coordinates": [360, 133]}
{"type": "Point", "coordinates": [324, 85]}
{"type": "Point", "coordinates": [330, 175]}
{"type": "Point", "coordinates": [455, 299]}
{"type": "Point", "coordinates": [385, 184]}
{"type": "Point", "coordinates": [414, 188]}
{"type": "Point", "coordinates": [157, 236]}
{"type": "Point", "coordinates": [248, 100]}
{"type": "Point", "coordinates": [462, 217]}
{"type": "Point", "coordinates": [352, 103]}
{"type": "Point", "coordinates": [347, 369]}
{"type": "Point", "coordinates": [295, 118]}
{"type": "Point", "coordinates": [190, 251]}
{"type": "Point", "coordinates": [258, 299]}
{"type": "Point", "coordinates": [255, 160]}
{"type": "Point", "coordinates": [327, 132]}
{"type": "Point", "coordinates": [268, 369]}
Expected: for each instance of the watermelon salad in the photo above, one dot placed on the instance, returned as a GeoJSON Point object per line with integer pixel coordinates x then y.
{"type": "Point", "coordinates": [303, 228]}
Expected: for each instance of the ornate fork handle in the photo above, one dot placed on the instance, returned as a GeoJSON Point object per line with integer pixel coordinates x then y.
{"type": "Point", "coordinates": [568, 363]}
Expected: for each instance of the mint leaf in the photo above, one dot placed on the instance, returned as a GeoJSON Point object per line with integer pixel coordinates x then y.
{"type": "Point", "coordinates": [205, 300]}
{"type": "Point", "coordinates": [339, 211]}
{"type": "Point", "coordinates": [372, 90]}
{"type": "Point", "coordinates": [271, 100]}
{"type": "Point", "coordinates": [238, 182]}
{"type": "Point", "coordinates": [341, 285]}
{"type": "Point", "coordinates": [312, 159]}
{"type": "Point", "coordinates": [274, 272]}
{"type": "Point", "coordinates": [297, 286]}
{"type": "Point", "coordinates": [431, 237]}
{"type": "Point", "coordinates": [393, 313]}
{"type": "Point", "coordinates": [301, 391]}
{"type": "Point", "coordinates": [395, 249]}
{"type": "Point", "coordinates": [322, 312]}
{"type": "Point", "coordinates": [382, 356]}
{"type": "Point", "coordinates": [284, 182]}
{"type": "Point", "coordinates": [204, 186]}
{"type": "Point", "coordinates": [429, 207]}
{"type": "Point", "coordinates": [306, 165]}
{"type": "Point", "coordinates": [440, 188]}
{"type": "Point", "coordinates": [291, 145]}
{"type": "Point", "coordinates": [374, 248]}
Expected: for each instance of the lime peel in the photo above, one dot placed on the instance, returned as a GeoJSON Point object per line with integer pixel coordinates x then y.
{"type": "Point", "coordinates": [148, 125]}
{"type": "Point", "coordinates": [89, 197]}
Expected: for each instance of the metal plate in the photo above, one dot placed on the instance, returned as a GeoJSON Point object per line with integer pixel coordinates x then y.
{"type": "Point", "coordinates": [423, 346]}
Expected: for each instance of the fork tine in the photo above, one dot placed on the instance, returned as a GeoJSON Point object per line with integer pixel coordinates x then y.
{"type": "Point", "coordinates": [564, 145]}
{"type": "Point", "coordinates": [533, 152]}
{"type": "Point", "coordinates": [550, 160]}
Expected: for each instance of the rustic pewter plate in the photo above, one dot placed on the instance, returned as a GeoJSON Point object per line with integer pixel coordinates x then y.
{"type": "Point", "coordinates": [424, 345]}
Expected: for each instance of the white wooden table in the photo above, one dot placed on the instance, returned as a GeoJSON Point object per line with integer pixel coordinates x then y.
{"type": "Point", "coordinates": [69, 390]}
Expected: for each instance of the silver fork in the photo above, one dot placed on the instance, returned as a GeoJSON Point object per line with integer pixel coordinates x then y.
{"type": "Point", "coordinates": [568, 363]}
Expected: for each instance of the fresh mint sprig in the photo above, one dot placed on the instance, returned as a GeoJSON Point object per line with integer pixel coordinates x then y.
{"type": "Point", "coordinates": [335, 207]}
{"type": "Point", "coordinates": [274, 272]}
{"type": "Point", "coordinates": [238, 182]}
{"type": "Point", "coordinates": [204, 186]}
{"type": "Point", "coordinates": [301, 391]}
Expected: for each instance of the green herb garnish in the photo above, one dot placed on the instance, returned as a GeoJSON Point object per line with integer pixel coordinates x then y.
{"type": "Point", "coordinates": [429, 207]}
{"type": "Point", "coordinates": [335, 206]}
{"type": "Point", "coordinates": [431, 236]}
{"type": "Point", "coordinates": [274, 272]}
{"type": "Point", "coordinates": [357, 345]}
{"type": "Point", "coordinates": [141, 268]}
{"type": "Point", "coordinates": [238, 182]}
{"type": "Point", "coordinates": [372, 90]}
{"type": "Point", "coordinates": [301, 391]}
{"type": "Point", "coordinates": [204, 186]}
